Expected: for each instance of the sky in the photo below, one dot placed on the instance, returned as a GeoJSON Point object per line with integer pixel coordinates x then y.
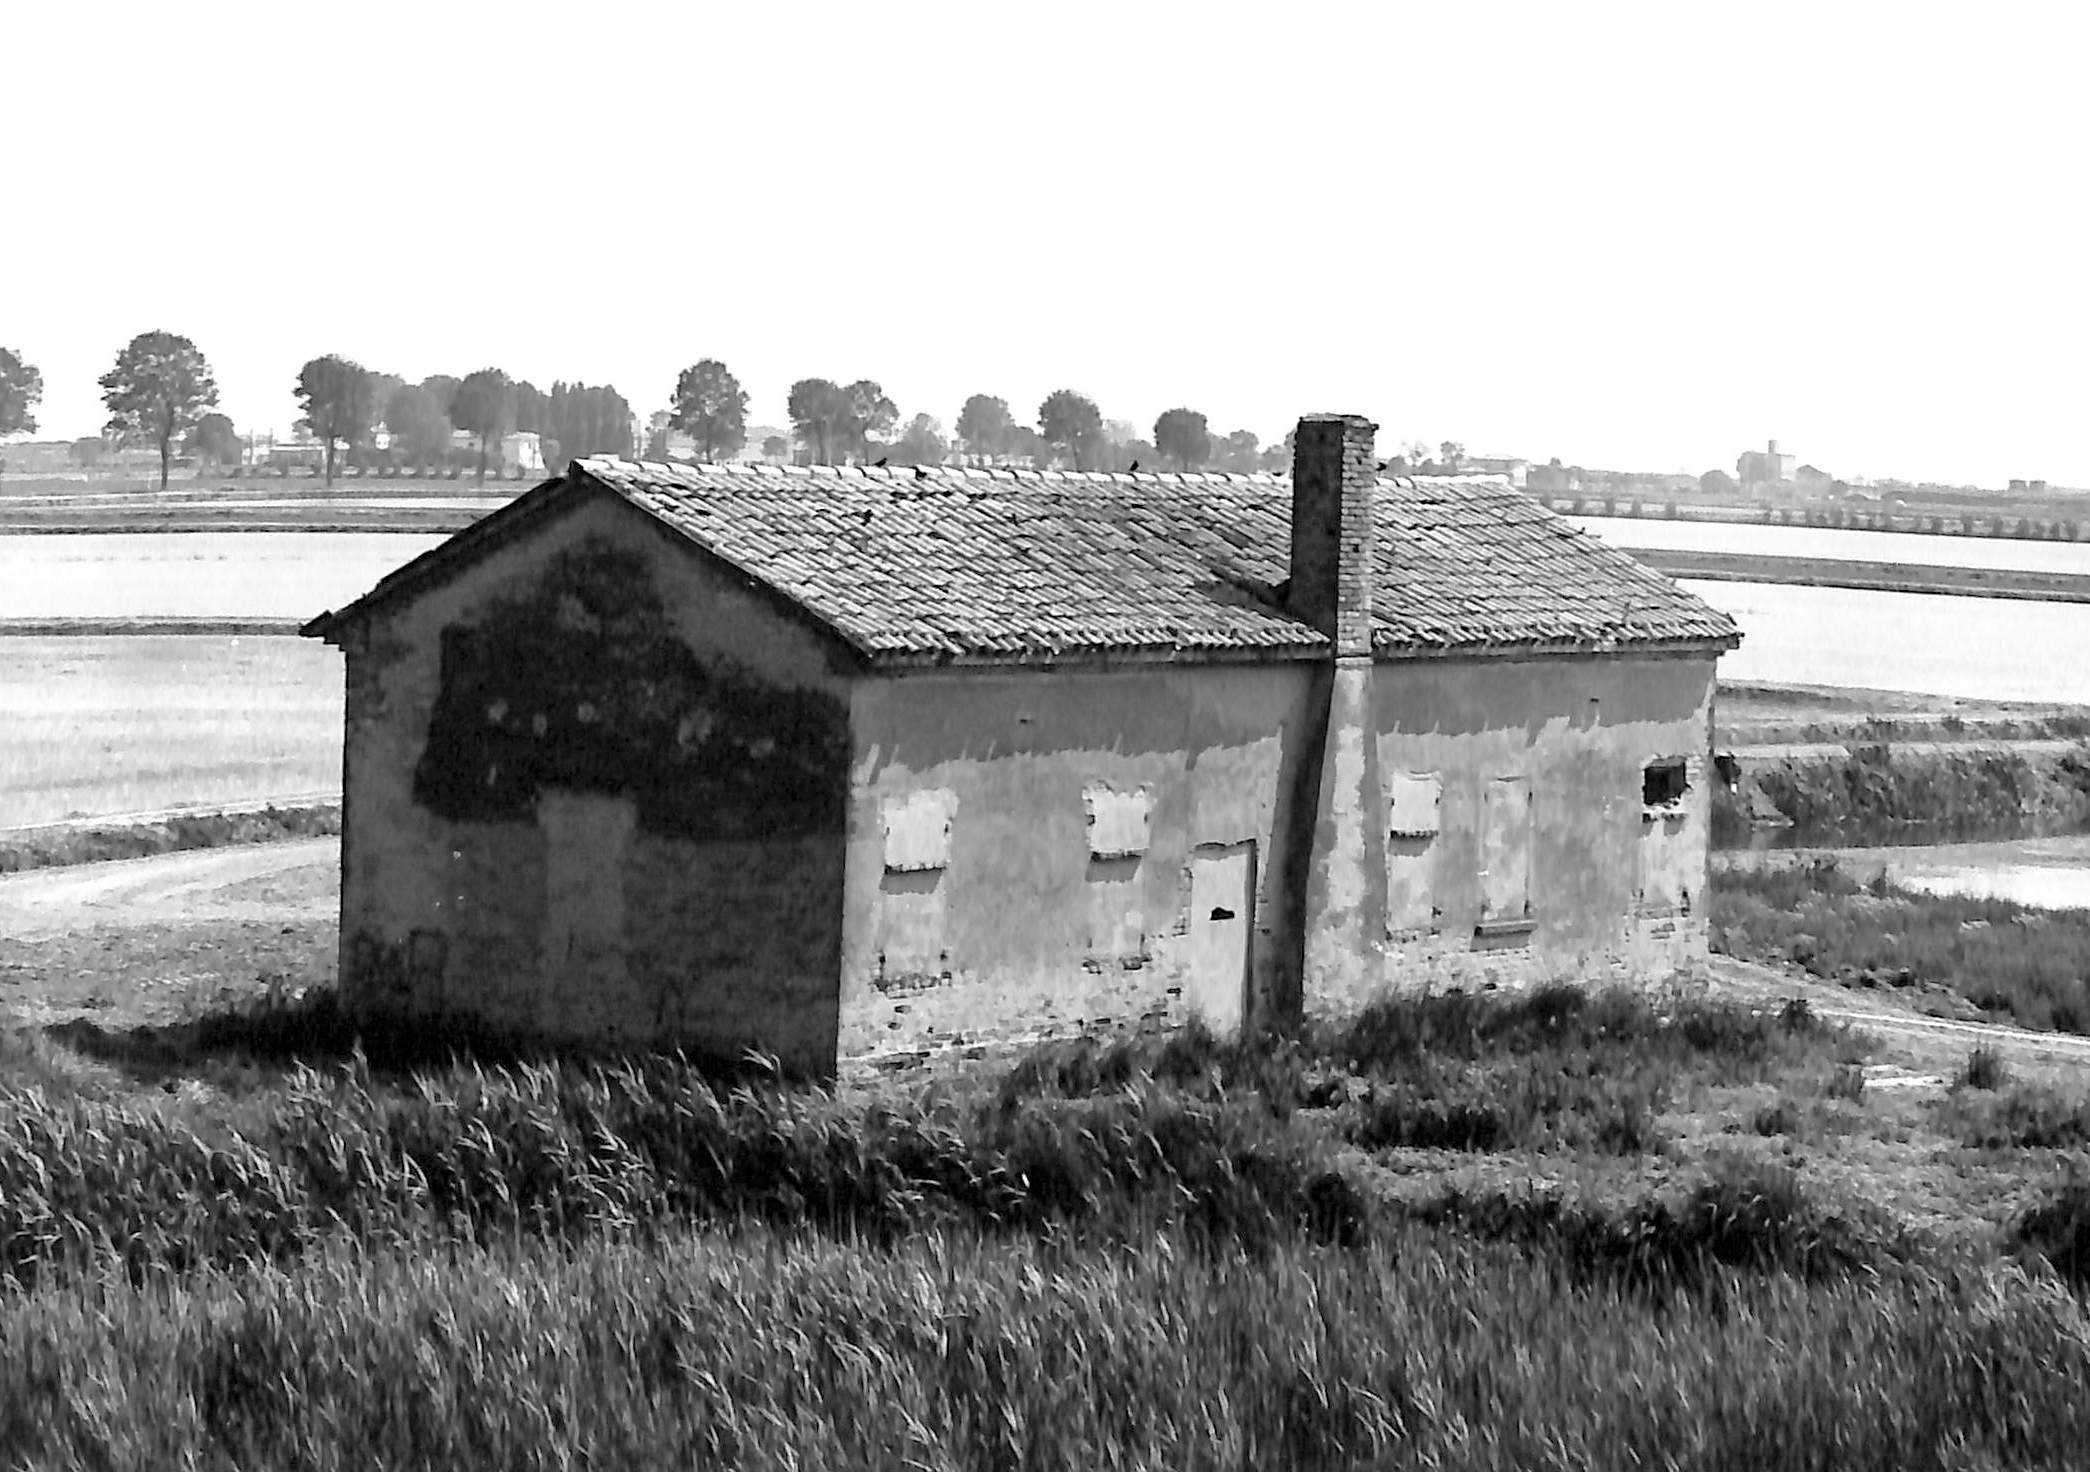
{"type": "Point", "coordinates": [1631, 236]}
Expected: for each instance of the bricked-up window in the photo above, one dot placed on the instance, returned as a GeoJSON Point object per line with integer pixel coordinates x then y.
{"type": "Point", "coordinates": [1663, 784]}
{"type": "Point", "coordinates": [1120, 822]}
{"type": "Point", "coordinates": [1415, 803]}
{"type": "Point", "coordinates": [1505, 886]}
{"type": "Point", "coordinates": [918, 830]}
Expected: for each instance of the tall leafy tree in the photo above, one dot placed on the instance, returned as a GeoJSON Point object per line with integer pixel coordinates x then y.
{"type": "Point", "coordinates": [871, 416]}
{"type": "Point", "coordinates": [1180, 435]}
{"type": "Point", "coordinates": [711, 408]}
{"type": "Point", "coordinates": [484, 406]}
{"type": "Point", "coordinates": [1237, 452]}
{"type": "Point", "coordinates": [820, 416]}
{"type": "Point", "coordinates": [444, 388]}
{"type": "Point", "coordinates": [157, 391]}
{"type": "Point", "coordinates": [532, 408]}
{"type": "Point", "coordinates": [1072, 424]}
{"type": "Point", "coordinates": [415, 419]}
{"type": "Point", "coordinates": [921, 443]}
{"type": "Point", "coordinates": [339, 398]}
{"type": "Point", "coordinates": [587, 420]}
{"type": "Point", "coordinates": [213, 439]}
{"type": "Point", "coordinates": [984, 424]}
{"type": "Point", "coordinates": [21, 388]}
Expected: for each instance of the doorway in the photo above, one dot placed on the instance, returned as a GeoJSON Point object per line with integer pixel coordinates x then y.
{"type": "Point", "coordinates": [1222, 919]}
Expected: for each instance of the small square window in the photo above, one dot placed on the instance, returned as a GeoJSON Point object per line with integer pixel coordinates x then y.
{"type": "Point", "coordinates": [918, 830]}
{"type": "Point", "coordinates": [1664, 783]}
{"type": "Point", "coordinates": [1119, 822]}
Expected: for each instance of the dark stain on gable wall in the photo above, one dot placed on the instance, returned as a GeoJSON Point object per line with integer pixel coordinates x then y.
{"type": "Point", "coordinates": [580, 684]}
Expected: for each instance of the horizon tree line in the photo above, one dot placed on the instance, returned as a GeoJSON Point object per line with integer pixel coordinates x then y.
{"type": "Point", "coordinates": [161, 393]}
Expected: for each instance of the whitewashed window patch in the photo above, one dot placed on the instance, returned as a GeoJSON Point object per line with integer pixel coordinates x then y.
{"type": "Point", "coordinates": [917, 829]}
{"type": "Point", "coordinates": [1120, 821]}
{"type": "Point", "coordinates": [1415, 804]}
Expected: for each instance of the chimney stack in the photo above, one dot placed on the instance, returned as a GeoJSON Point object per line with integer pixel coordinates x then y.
{"type": "Point", "coordinates": [1334, 475]}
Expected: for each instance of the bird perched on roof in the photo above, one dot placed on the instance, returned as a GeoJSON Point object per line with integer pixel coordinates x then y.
{"type": "Point", "coordinates": [1382, 465]}
{"type": "Point", "coordinates": [920, 473]}
{"type": "Point", "coordinates": [1135, 467]}
{"type": "Point", "coordinates": [880, 462]}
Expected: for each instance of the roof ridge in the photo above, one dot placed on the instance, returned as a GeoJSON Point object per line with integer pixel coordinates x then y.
{"type": "Point", "coordinates": [999, 472]}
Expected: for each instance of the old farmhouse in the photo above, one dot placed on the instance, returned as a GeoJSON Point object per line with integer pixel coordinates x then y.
{"type": "Point", "coordinates": [837, 761]}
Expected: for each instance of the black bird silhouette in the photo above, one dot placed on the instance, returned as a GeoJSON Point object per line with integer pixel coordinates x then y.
{"type": "Point", "coordinates": [920, 473]}
{"type": "Point", "coordinates": [880, 462]}
{"type": "Point", "coordinates": [1382, 464]}
{"type": "Point", "coordinates": [1135, 467]}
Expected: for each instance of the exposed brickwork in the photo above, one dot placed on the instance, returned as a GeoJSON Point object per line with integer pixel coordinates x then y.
{"type": "Point", "coordinates": [1334, 558]}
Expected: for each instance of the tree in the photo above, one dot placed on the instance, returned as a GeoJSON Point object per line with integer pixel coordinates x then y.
{"type": "Point", "coordinates": [213, 439]}
{"type": "Point", "coordinates": [21, 388]}
{"type": "Point", "coordinates": [871, 416]}
{"type": "Point", "coordinates": [776, 447]}
{"type": "Point", "coordinates": [819, 410]}
{"type": "Point", "coordinates": [339, 400]}
{"type": "Point", "coordinates": [1071, 424]}
{"type": "Point", "coordinates": [1180, 435]}
{"type": "Point", "coordinates": [415, 419]}
{"type": "Point", "coordinates": [158, 389]}
{"type": "Point", "coordinates": [921, 443]}
{"type": "Point", "coordinates": [711, 408]}
{"type": "Point", "coordinates": [532, 409]}
{"type": "Point", "coordinates": [444, 387]}
{"type": "Point", "coordinates": [484, 406]}
{"type": "Point", "coordinates": [1452, 453]}
{"type": "Point", "coordinates": [586, 420]}
{"type": "Point", "coordinates": [1237, 452]}
{"type": "Point", "coordinates": [1718, 483]}
{"type": "Point", "coordinates": [984, 424]}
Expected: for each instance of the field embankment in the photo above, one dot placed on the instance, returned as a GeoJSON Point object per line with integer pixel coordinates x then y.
{"type": "Point", "coordinates": [1830, 794]}
{"type": "Point", "coordinates": [1889, 577]}
{"type": "Point", "coordinates": [98, 840]}
{"type": "Point", "coordinates": [1450, 1232]}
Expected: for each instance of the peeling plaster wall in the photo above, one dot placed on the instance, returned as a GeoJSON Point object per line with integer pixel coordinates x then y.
{"type": "Point", "coordinates": [1038, 920]}
{"type": "Point", "coordinates": [1612, 891]}
{"type": "Point", "coordinates": [661, 862]}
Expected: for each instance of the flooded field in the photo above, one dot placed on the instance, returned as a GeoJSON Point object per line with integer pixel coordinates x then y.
{"type": "Point", "coordinates": [1976, 648]}
{"type": "Point", "coordinates": [2051, 873]}
{"type": "Point", "coordinates": [1839, 543]}
{"type": "Point", "coordinates": [195, 574]}
{"type": "Point", "coordinates": [95, 725]}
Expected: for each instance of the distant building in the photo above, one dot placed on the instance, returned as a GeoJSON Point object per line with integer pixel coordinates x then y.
{"type": "Point", "coordinates": [1764, 467]}
{"type": "Point", "coordinates": [520, 451]}
{"type": "Point", "coordinates": [2028, 488]}
{"type": "Point", "coordinates": [1553, 479]}
{"type": "Point", "coordinates": [1515, 471]}
{"type": "Point", "coordinates": [1812, 478]}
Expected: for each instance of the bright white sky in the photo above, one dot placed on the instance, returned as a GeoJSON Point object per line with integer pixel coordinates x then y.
{"type": "Point", "coordinates": [1639, 237]}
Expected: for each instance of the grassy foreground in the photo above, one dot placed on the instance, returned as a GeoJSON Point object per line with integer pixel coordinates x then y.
{"type": "Point", "coordinates": [1451, 1232]}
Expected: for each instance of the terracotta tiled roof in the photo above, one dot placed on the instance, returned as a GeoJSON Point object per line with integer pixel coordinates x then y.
{"type": "Point", "coordinates": [996, 565]}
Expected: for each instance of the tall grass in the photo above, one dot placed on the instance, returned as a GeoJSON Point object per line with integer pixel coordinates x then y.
{"type": "Point", "coordinates": [2031, 967]}
{"type": "Point", "coordinates": [1096, 1139]}
{"type": "Point", "coordinates": [757, 1350]}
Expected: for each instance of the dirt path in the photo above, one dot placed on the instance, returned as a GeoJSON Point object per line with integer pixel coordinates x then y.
{"type": "Point", "coordinates": [1915, 1047]}
{"type": "Point", "coordinates": [290, 882]}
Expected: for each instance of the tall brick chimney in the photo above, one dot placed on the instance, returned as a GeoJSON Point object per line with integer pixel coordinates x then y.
{"type": "Point", "coordinates": [1343, 897]}
{"type": "Point", "coordinates": [1334, 470]}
